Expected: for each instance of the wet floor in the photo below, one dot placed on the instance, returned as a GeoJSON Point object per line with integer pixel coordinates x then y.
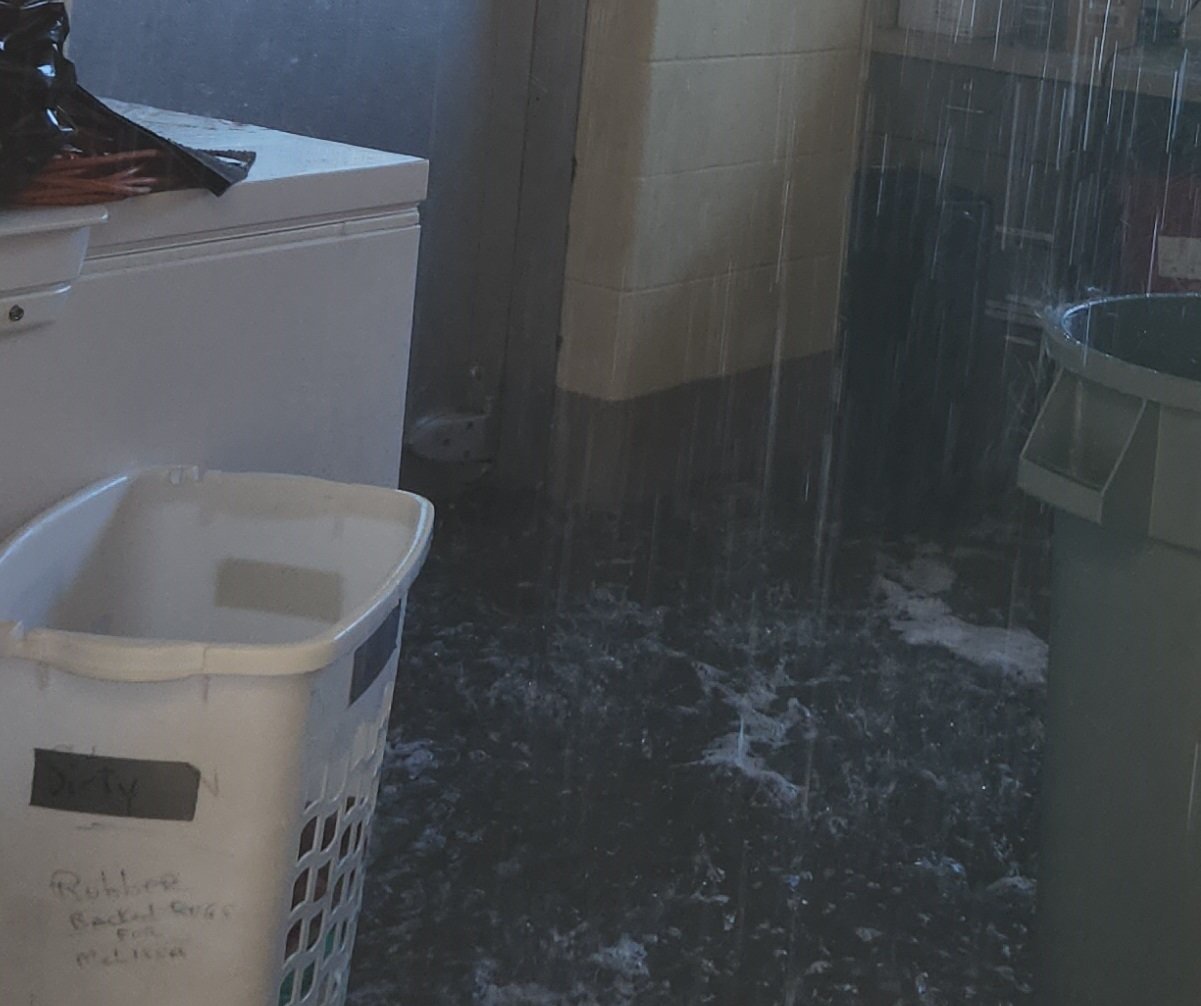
{"type": "Point", "coordinates": [680, 758]}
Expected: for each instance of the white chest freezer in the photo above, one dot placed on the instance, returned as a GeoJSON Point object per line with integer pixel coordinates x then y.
{"type": "Point", "coordinates": [267, 330]}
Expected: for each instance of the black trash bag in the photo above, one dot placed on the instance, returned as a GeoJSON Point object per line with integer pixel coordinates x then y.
{"type": "Point", "coordinates": [215, 170]}
{"type": "Point", "coordinates": [35, 78]}
{"type": "Point", "coordinates": [44, 111]}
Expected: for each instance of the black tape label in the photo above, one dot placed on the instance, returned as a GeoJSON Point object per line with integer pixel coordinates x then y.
{"type": "Point", "coordinates": [372, 657]}
{"type": "Point", "coordinates": [114, 787]}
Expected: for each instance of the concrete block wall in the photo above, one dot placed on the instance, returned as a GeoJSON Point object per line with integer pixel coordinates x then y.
{"type": "Point", "coordinates": [714, 163]}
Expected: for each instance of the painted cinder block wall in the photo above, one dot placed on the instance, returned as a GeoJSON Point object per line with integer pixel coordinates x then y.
{"type": "Point", "coordinates": [714, 164]}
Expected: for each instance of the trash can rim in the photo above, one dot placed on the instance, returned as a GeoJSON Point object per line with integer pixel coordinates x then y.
{"type": "Point", "coordinates": [1112, 371]}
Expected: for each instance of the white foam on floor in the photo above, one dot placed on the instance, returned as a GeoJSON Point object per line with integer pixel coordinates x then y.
{"type": "Point", "coordinates": [627, 957]}
{"type": "Point", "coordinates": [924, 619]}
{"type": "Point", "coordinates": [758, 728]}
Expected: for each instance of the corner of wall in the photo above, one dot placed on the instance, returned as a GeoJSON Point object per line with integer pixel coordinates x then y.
{"type": "Point", "coordinates": [714, 169]}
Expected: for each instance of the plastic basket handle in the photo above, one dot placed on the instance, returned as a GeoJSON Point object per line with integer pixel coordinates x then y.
{"type": "Point", "coordinates": [1092, 453]}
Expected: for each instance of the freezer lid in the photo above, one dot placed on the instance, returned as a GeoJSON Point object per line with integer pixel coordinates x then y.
{"type": "Point", "coordinates": [295, 181]}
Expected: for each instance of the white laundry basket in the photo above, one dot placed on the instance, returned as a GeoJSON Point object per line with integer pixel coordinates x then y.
{"type": "Point", "coordinates": [183, 823]}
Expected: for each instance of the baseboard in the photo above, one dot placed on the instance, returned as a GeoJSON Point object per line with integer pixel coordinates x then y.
{"type": "Point", "coordinates": [759, 426]}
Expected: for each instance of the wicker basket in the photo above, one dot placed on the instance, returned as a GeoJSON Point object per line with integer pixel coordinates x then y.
{"type": "Point", "coordinates": [74, 178]}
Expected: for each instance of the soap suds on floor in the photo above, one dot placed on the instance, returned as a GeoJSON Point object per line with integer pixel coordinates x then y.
{"type": "Point", "coordinates": [764, 722]}
{"type": "Point", "coordinates": [626, 957]}
{"type": "Point", "coordinates": [685, 779]}
{"type": "Point", "coordinates": [922, 617]}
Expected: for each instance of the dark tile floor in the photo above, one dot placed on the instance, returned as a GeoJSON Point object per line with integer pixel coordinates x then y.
{"type": "Point", "coordinates": [683, 757]}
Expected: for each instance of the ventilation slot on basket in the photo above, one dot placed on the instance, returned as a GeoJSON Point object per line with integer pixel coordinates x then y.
{"type": "Point", "coordinates": [327, 891]}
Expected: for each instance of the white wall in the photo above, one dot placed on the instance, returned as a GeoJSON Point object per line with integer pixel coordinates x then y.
{"type": "Point", "coordinates": [714, 163]}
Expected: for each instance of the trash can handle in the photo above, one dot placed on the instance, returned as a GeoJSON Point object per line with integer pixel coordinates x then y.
{"type": "Point", "coordinates": [1092, 453]}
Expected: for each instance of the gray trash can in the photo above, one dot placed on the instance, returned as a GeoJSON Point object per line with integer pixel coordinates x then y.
{"type": "Point", "coordinates": [1117, 453]}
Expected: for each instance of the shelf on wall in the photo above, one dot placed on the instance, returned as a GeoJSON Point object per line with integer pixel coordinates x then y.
{"type": "Point", "coordinates": [1160, 71]}
{"type": "Point", "coordinates": [983, 54]}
